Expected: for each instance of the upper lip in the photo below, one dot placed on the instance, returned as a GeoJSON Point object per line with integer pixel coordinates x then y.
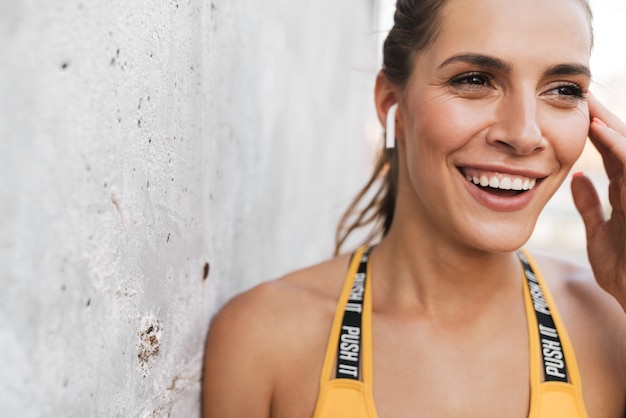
{"type": "Point", "coordinates": [504, 170]}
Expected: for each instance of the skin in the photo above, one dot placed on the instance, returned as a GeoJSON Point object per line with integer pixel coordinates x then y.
{"type": "Point", "coordinates": [445, 276]}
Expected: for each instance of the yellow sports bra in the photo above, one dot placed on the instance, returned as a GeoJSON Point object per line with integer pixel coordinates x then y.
{"type": "Point", "coordinates": [349, 393]}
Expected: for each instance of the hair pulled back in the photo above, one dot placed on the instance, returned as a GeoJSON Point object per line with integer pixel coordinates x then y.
{"type": "Point", "coordinates": [415, 27]}
{"type": "Point", "coordinates": [416, 24]}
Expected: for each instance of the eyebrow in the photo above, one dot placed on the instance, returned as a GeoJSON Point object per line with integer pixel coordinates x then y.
{"type": "Point", "coordinates": [493, 63]}
{"type": "Point", "coordinates": [479, 60]}
{"type": "Point", "coordinates": [569, 69]}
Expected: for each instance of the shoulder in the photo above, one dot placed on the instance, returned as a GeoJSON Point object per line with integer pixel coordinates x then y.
{"type": "Point", "coordinates": [267, 328]}
{"type": "Point", "coordinates": [574, 288]}
{"type": "Point", "coordinates": [282, 301]}
{"type": "Point", "coordinates": [595, 322]}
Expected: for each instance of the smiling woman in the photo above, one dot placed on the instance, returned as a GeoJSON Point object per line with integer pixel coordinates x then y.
{"type": "Point", "coordinates": [442, 313]}
{"type": "Point", "coordinates": [490, 104]}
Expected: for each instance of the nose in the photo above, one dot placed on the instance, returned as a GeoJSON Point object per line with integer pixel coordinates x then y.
{"type": "Point", "coordinates": [516, 127]}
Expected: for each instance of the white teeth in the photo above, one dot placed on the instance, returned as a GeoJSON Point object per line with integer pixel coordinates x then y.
{"type": "Point", "coordinates": [503, 182]}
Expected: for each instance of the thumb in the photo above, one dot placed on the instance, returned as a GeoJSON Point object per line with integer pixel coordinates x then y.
{"type": "Point", "coordinates": [587, 202]}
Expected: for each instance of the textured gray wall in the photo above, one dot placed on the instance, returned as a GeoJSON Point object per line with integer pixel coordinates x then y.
{"type": "Point", "coordinates": [155, 158]}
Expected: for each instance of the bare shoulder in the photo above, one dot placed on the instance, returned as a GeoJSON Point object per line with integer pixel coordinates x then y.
{"type": "Point", "coordinates": [260, 332]}
{"type": "Point", "coordinates": [596, 324]}
{"type": "Point", "coordinates": [282, 301]}
{"type": "Point", "coordinates": [574, 288]}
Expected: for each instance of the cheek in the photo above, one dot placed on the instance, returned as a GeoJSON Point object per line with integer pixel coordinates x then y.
{"type": "Point", "coordinates": [568, 137]}
{"type": "Point", "coordinates": [446, 124]}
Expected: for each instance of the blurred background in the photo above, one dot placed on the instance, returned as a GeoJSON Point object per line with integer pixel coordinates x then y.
{"type": "Point", "coordinates": [158, 157]}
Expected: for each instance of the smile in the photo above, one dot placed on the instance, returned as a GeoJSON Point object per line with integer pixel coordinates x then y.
{"type": "Point", "coordinates": [499, 180]}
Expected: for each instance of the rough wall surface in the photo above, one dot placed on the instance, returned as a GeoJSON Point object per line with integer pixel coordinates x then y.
{"type": "Point", "coordinates": [156, 158]}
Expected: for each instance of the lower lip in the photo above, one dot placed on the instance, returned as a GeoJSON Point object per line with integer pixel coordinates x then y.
{"type": "Point", "coordinates": [499, 203]}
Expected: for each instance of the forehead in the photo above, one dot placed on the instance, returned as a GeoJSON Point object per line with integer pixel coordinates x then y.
{"type": "Point", "coordinates": [515, 30]}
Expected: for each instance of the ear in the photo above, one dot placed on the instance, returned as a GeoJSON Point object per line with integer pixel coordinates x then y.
{"type": "Point", "coordinates": [385, 96]}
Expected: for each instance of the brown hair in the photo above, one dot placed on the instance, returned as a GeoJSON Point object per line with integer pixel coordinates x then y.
{"type": "Point", "coordinates": [416, 24]}
{"type": "Point", "coordinates": [415, 27]}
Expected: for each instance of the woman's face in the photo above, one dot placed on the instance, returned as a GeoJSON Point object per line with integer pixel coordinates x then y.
{"type": "Point", "coordinates": [493, 117]}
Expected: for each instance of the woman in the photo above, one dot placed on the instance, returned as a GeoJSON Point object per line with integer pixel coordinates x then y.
{"type": "Point", "coordinates": [444, 317]}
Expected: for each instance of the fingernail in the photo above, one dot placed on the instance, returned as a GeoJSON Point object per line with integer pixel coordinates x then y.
{"type": "Point", "coordinates": [578, 174]}
{"type": "Point", "coordinates": [599, 122]}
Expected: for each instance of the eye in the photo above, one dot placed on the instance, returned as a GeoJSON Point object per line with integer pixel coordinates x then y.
{"type": "Point", "coordinates": [471, 80]}
{"type": "Point", "coordinates": [567, 94]}
{"type": "Point", "coordinates": [568, 90]}
{"type": "Point", "coordinates": [473, 85]}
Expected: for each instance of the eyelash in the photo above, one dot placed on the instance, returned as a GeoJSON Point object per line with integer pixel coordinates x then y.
{"type": "Point", "coordinates": [574, 90]}
{"type": "Point", "coordinates": [464, 78]}
{"type": "Point", "coordinates": [484, 80]}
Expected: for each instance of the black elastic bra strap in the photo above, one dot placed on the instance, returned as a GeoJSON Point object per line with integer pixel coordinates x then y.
{"type": "Point", "coordinates": [553, 358]}
{"type": "Point", "coordinates": [349, 344]}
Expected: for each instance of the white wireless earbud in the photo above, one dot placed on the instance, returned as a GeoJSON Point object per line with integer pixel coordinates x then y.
{"type": "Point", "coordinates": [390, 127]}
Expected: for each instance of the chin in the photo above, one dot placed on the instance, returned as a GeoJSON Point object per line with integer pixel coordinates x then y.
{"type": "Point", "coordinates": [501, 238]}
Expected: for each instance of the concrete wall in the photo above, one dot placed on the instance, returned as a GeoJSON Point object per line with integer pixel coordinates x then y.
{"type": "Point", "coordinates": [155, 158]}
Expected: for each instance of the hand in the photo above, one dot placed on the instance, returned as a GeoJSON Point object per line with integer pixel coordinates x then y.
{"type": "Point", "coordinates": [606, 238]}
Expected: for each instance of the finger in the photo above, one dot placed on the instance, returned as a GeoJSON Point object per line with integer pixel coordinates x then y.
{"type": "Point", "coordinates": [611, 146]}
{"type": "Point", "coordinates": [616, 195]}
{"type": "Point", "coordinates": [598, 110]}
{"type": "Point", "coordinates": [587, 202]}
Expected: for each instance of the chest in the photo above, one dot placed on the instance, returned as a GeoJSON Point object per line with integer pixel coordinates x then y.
{"type": "Point", "coordinates": [423, 369]}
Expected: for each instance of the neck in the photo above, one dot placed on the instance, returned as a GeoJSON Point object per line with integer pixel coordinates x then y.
{"type": "Point", "coordinates": [441, 279]}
